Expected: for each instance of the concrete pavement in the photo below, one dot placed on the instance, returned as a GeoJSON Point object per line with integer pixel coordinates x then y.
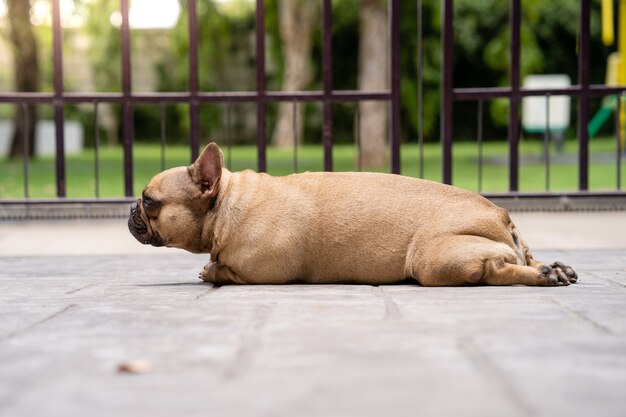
{"type": "Point", "coordinates": [79, 299]}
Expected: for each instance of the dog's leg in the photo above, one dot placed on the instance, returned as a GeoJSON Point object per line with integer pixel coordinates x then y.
{"type": "Point", "coordinates": [220, 275]}
{"type": "Point", "coordinates": [459, 260]}
{"type": "Point", "coordinates": [500, 272]}
{"type": "Point", "coordinates": [565, 272]}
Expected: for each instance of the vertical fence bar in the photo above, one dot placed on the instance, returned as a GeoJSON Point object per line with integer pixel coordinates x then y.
{"type": "Point", "coordinates": [583, 98]}
{"type": "Point", "coordinates": [514, 122]}
{"type": "Point", "coordinates": [327, 69]}
{"type": "Point", "coordinates": [57, 57]}
{"type": "Point", "coordinates": [618, 140]}
{"type": "Point", "coordinates": [395, 86]}
{"type": "Point", "coordinates": [194, 104]}
{"type": "Point", "coordinates": [357, 120]}
{"type": "Point", "coordinates": [546, 143]}
{"type": "Point", "coordinates": [447, 35]}
{"type": "Point", "coordinates": [479, 134]}
{"type": "Point", "coordinates": [26, 149]}
{"type": "Point", "coordinates": [260, 86]}
{"type": "Point", "coordinates": [96, 149]}
{"type": "Point", "coordinates": [127, 109]}
{"type": "Point", "coordinates": [295, 136]}
{"type": "Point", "coordinates": [163, 134]}
{"type": "Point", "coordinates": [229, 132]}
{"type": "Point", "coordinates": [420, 85]}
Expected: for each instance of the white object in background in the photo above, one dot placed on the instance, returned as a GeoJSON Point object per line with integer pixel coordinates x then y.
{"type": "Point", "coordinates": [6, 135]}
{"type": "Point", "coordinates": [45, 138]}
{"type": "Point", "coordinates": [534, 108]}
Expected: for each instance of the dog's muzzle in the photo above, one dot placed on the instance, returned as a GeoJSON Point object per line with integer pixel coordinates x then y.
{"type": "Point", "coordinates": [139, 229]}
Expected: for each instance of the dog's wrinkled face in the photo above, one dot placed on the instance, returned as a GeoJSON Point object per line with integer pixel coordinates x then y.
{"type": "Point", "coordinates": [139, 227]}
{"type": "Point", "coordinates": [174, 205]}
{"type": "Point", "coordinates": [165, 215]}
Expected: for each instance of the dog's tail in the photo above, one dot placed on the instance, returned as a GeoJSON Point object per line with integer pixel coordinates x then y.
{"type": "Point", "coordinates": [524, 256]}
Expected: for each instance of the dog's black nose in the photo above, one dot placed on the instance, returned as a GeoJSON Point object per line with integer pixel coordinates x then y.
{"type": "Point", "coordinates": [133, 207]}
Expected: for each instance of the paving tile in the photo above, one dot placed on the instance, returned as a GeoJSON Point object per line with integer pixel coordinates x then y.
{"type": "Point", "coordinates": [325, 350]}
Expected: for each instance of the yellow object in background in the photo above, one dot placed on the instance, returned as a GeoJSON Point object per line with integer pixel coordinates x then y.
{"type": "Point", "coordinates": [621, 41]}
{"type": "Point", "coordinates": [613, 65]}
{"type": "Point", "coordinates": [615, 69]}
{"type": "Point", "coordinates": [608, 33]}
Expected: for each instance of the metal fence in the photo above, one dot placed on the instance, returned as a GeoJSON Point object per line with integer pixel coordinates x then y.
{"type": "Point", "coordinates": [194, 97]}
{"type": "Point", "coordinates": [582, 92]}
{"type": "Point", "coordinates": [261, 97]}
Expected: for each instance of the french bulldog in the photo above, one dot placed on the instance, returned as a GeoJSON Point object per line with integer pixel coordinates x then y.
{"type": "Point", "coordinates": [331, 227]}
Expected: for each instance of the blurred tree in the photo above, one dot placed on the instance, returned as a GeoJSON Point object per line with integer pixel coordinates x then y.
{"type": "Point", "coordinates": [225, 58]}
{"type": "Point", "coordinates": [104, 57]}
{"type": "Point", "coordinates": [26, 73]}
{"type": "Point", "coordinates": [431, 56]}
{"type": "Point", "coordinates": [298, 18]}
{"type": "Point", "coordinates": [373, 76]}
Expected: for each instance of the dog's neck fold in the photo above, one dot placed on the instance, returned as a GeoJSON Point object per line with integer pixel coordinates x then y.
{"type": "Point", "coordinates": [208, 240]}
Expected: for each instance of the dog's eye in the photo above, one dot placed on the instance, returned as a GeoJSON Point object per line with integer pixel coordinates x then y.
{"type": "Point", "coordinates": [150, 206]}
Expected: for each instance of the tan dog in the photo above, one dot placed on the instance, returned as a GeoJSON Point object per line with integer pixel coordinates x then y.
{"type": "Point", "coordinates": [334, 228]}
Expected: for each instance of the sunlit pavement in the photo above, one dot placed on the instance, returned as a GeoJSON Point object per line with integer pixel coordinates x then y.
{"type": "Point", "coordinates": [79, 299]}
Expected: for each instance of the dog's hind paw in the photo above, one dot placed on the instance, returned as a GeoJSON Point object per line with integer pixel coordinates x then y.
{"type": "Point", "coordinates": [566, 273]}
{"type": "Point", "coordinates": [557, 274]}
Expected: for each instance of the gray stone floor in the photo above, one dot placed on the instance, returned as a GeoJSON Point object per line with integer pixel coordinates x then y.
{"type": "Point", "coordinates": [332, 350]}
{"type": "Point", "coordinates": [305, 350]}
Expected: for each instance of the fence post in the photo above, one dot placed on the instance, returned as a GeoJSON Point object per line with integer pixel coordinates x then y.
{"type": "Point", "coordinates": [583, 99]}
{"type": "Point", "coordinates": [57, 41]}
{"type": "Point", "coordinates": [514, 101]}
{"type": "Point", "coordinates": [327, 69]}
{"type": "Point", "coordinates": [260, 85]}
{"type": "Point", "coordinates": [420, 85]}
{"type": "Point", "coordinates": [395, 86]}
{"type": "Point", "coordinates": [127, 109]}
{"type": "Point", "coordinates": [447, 37]}
{"type": "Point", "coordinates": [194, 105]}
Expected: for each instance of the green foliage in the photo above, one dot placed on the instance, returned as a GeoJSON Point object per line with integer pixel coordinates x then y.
{"type": "Point", "coordinates": [274, 44]}
{"type": "Point", "coordinates": [548, 37]}
{"type": "Point", "coordinates": [409, 69]}
{"type": "Point", "coordinates": [224, 56]}
{"type": "Point", "coordinates": [105, 55]}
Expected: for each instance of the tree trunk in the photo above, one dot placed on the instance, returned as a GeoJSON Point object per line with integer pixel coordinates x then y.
{"type": "Point", "coordinates": [373, 75]}
{"type": "Point", "coordinates": [26, 68]}
{"type": "Point", "coordinates": [297, 21]}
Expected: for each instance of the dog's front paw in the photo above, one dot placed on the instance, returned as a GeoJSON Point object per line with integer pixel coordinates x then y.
{"type": "Point", "coordinates": [208, 272]}
{"type": "Point", "coordinates": [557, 274]}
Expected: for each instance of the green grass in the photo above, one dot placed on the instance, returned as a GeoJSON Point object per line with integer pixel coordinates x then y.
{"type": "Point", "coordinates": [80, 174]}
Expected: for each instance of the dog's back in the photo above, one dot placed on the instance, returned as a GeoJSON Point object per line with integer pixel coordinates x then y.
{"type": "Point", "coordinates": [347, 227]}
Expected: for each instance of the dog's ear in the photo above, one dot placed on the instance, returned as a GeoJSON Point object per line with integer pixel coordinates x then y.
{"type": "Point", "coordinates": [207, 170]}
